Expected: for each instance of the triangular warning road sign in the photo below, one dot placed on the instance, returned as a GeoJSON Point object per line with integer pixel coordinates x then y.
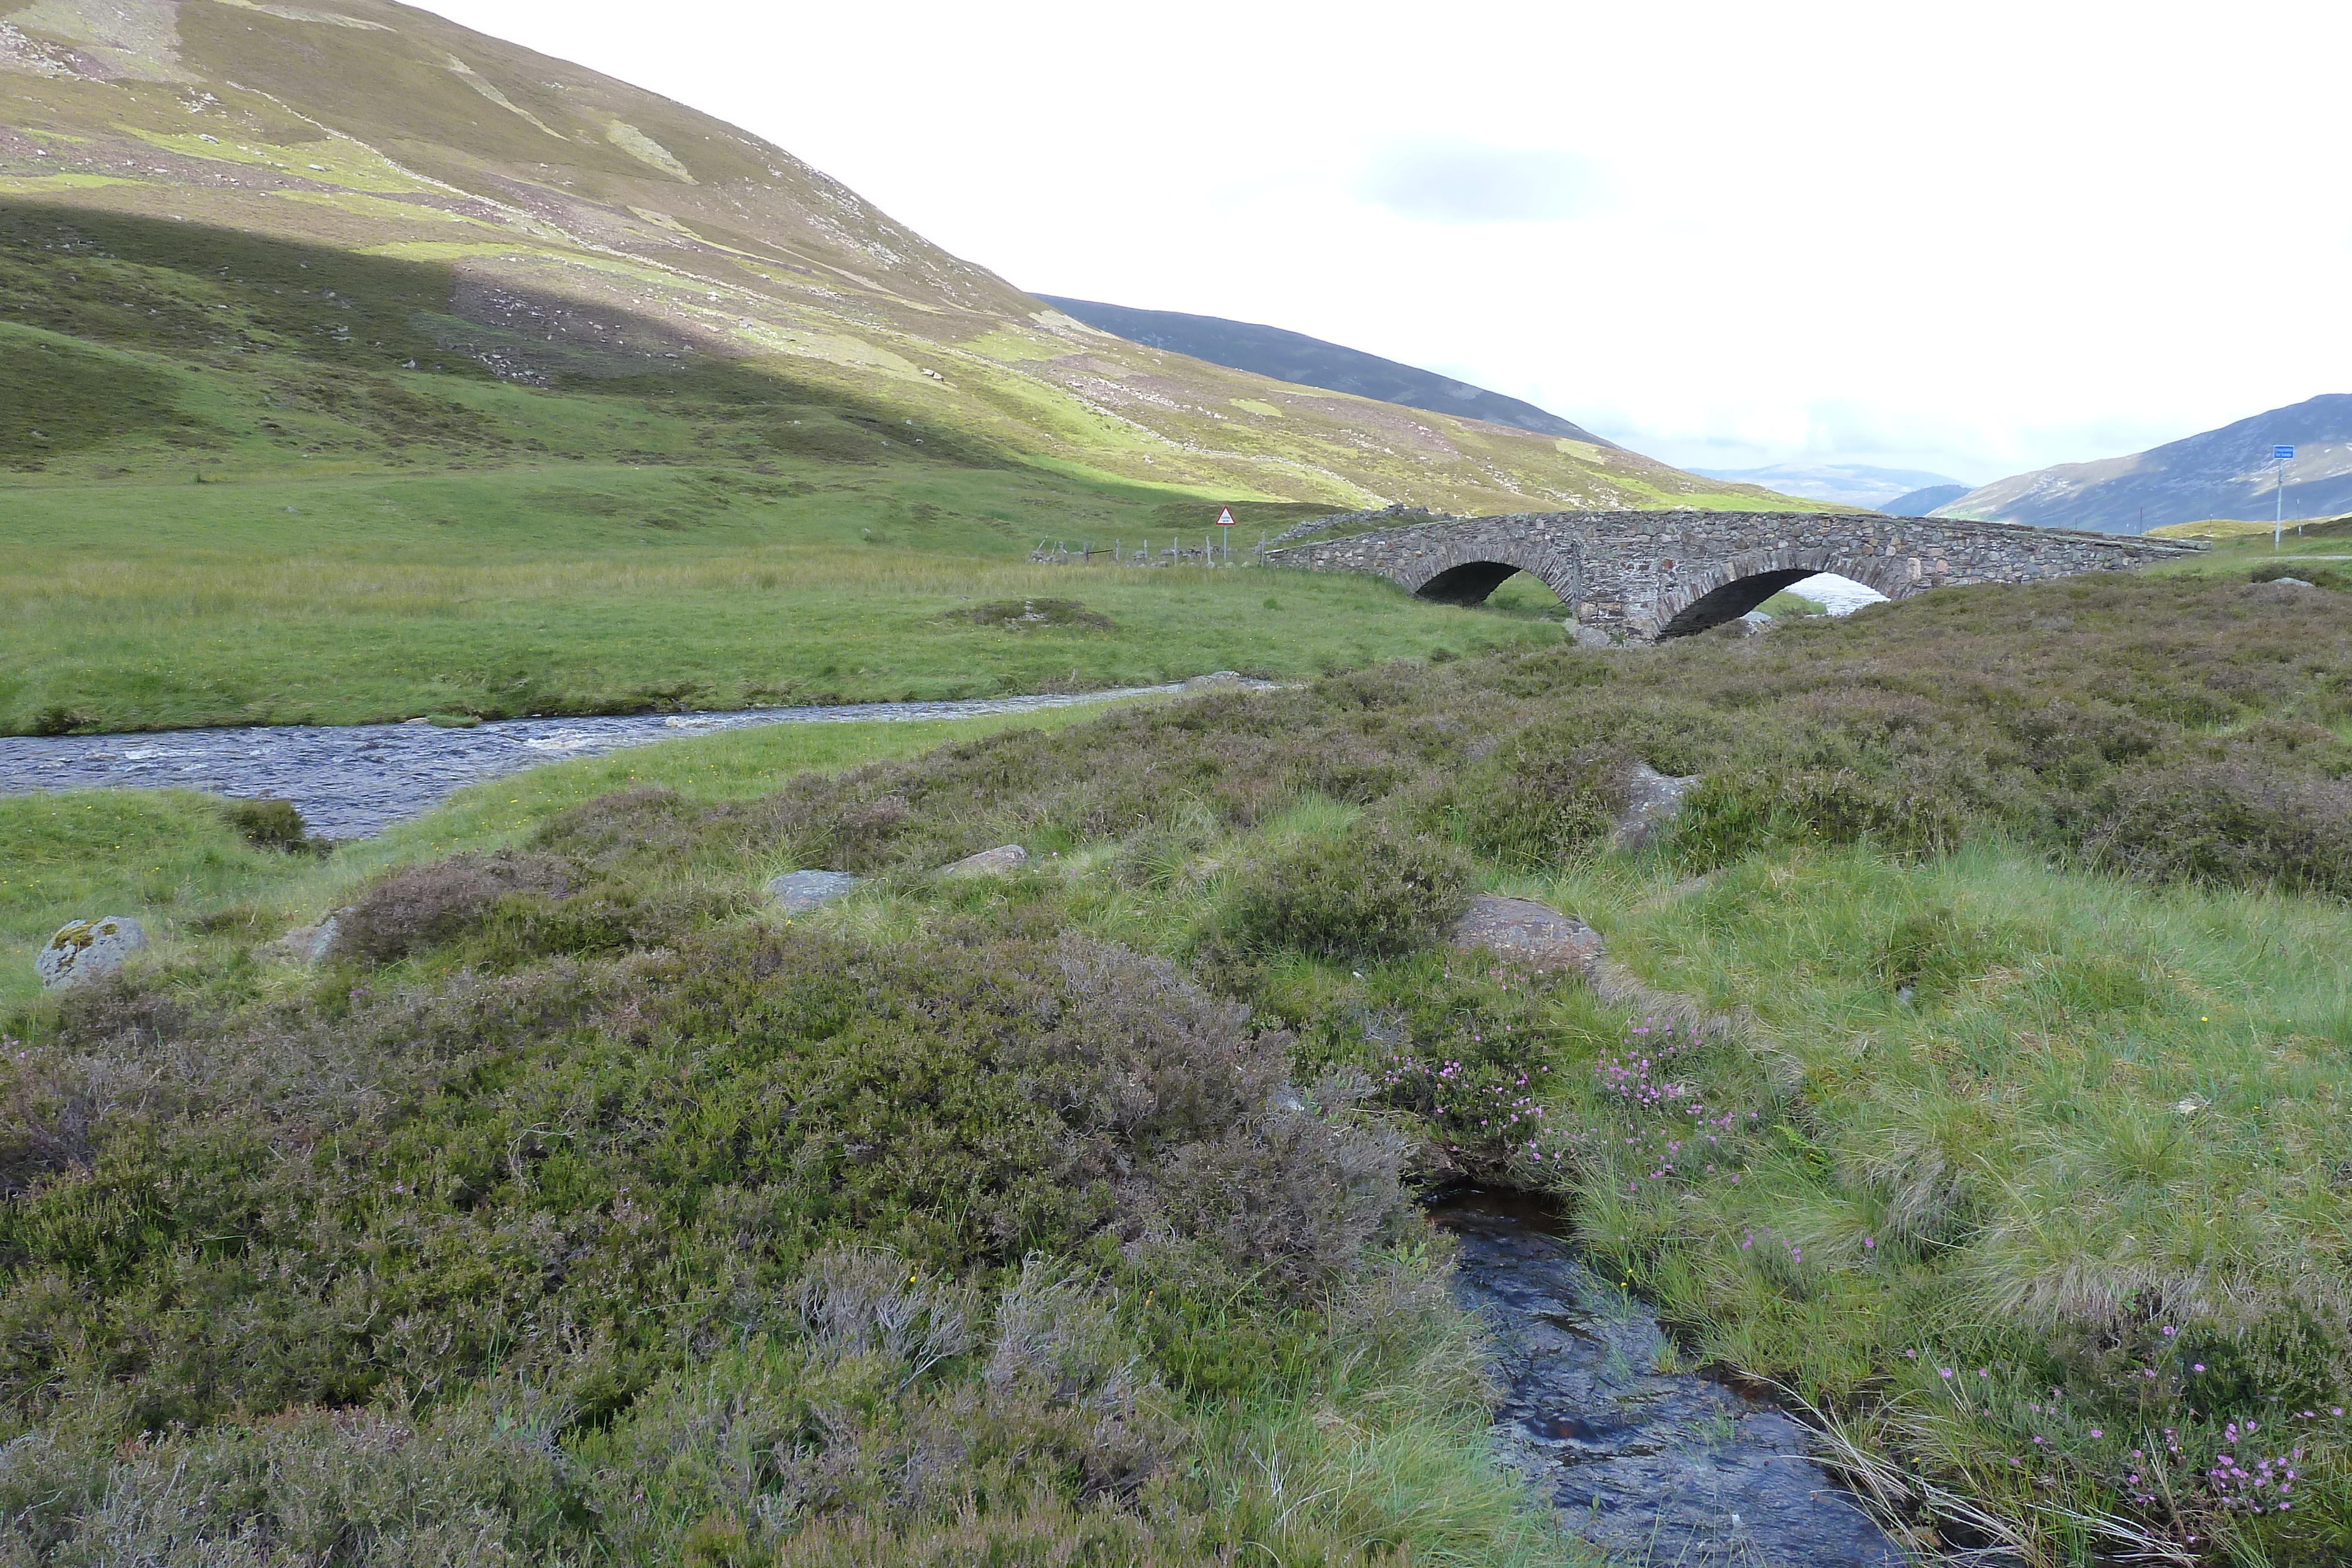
{"type": "Point", "coordinates": [1225, 518]}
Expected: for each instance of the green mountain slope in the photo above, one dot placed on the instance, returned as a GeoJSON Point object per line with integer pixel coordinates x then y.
{"type": "Point", "coordinates": [536, 224]}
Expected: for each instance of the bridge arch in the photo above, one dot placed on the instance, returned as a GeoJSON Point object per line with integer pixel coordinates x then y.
{"type": "Point", "coordinates": [1467, 573]}
{"type": "Point", "coordinates": [1728, 588]}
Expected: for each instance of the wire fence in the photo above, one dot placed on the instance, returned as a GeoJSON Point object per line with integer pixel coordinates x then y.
{"type": "Point", "coordinates": [1212, 551]}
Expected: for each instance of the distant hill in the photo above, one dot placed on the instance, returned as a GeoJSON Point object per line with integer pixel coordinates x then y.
{"type": "Point", "coordinates": [1310, 361]}
{"type": "Point", "coordinates": [1848, 483]}
{"type": "Point", "coordinates": [1920, 503]}
{"type": "Point", "coordinates": [555, 228]}
{"type": "Point", "coordinates": [2225, 473]}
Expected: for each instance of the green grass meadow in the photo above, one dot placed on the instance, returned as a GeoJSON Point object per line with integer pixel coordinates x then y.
{"type": "Point", "coordinates": [609, 588]}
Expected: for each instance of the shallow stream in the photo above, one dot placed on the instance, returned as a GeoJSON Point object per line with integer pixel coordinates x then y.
{"type": "Point", "coordinates": [1656, 1467]}
{"type": "Point", "coordinates": [351, 781]}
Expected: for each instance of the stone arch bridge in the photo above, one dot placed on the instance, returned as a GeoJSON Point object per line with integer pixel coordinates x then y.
{"type": "Point", "coordinates": [1654, 575]}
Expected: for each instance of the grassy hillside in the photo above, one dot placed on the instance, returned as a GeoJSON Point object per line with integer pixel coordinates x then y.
{"type": "Point", "coordinates": [2241, 532]}
{"type": "Point", "coordinates": [585, 1203]}
{"type": "Point", "coordinates": [575, 228]}
{"type": "Point", "coordinates": [235, 520]}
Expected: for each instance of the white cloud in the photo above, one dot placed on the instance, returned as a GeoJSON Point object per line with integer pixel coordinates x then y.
{"type": "Point", "coordinates": [1977, 240]}
{"type": "Point", "coordinates": [1447, 182]}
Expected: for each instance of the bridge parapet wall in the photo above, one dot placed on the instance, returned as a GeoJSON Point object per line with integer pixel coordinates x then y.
{"type": "Point", "coordinates": [1651, 574]}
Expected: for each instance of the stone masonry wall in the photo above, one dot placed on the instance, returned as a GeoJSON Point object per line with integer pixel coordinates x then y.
{"type": "Point", "coordinates": [1647, 575]}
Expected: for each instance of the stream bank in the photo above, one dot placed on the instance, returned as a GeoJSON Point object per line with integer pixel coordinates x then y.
{"type": "Point", "coordinates": [351, 781]}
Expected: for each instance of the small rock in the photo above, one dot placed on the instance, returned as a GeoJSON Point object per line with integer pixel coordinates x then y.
{"type": "Point", "coordinates": [1651, 801]}
{"type": "Point", "coordinates": [2282, 591]}
{"type": "Point", "coordinates": [1585, 636]}
{"type": "Point", "coordinates": [89, 951]}
{"type": "Point", "coordinates": [310, 943]}
{"type": "Point", "coordinates": [1214, 678]}
{"type": "Point", "coordinates": [1526, 932]}
{"type": "Point", "coordinates": [799, 891]}
{"type": "Point", "coordinates": [989, 863]}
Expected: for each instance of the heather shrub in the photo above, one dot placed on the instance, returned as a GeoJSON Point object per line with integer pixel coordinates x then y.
{"type": "Point", "coordinates": [2069, 744]}
{"type": "Point", "coordinates": [2231, 823]}
{"type": "Point", "coordinates": [484, 1483]}
{"type": "Point", "coordinates": [423, 906]}
{"type": "Point", "coordinates": [1401, 683]}
{"type": "Point", "coordinates": [1371, 892]}
{"type": "Point", "coordinates": [1295, 1192]}
{"type": "Point", "coordinates": [630, 1154]}
{"type": "Point", "coordinates": [733, 1458]}
{"type": "Point", "coordinates": [607, 918]}
{"type": "Point", "coordinates": [630, 825]}
{"type": "Point", "coordinates": [1539, 802]}
{"type": "Point", "coordinates": [47, 1117]}
{"type": "Point", "coordinates": [1047, 1530]}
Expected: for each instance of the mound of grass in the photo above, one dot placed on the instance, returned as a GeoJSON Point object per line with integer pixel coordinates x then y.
{"type": "Point", "coordinates": [1036, 615]}
{"type": "Point", "coordinates": [2319, 574]}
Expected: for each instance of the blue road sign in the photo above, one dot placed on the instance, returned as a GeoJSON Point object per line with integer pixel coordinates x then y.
{"type": "Point", "coordinates": [2282, 453]}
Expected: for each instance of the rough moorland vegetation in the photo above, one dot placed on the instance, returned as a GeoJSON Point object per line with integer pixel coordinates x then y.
{"type": "Point", "coordinates": [581, 1205]}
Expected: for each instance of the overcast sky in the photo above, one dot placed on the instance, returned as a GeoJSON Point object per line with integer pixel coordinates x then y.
{"type": "Point", "coordinates": [1974, 239]}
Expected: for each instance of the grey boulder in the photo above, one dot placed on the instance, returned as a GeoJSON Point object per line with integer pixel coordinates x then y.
{"type": "Point", "coordinates": [89, 951]}
{"type": "Point", "coordinates": [797, 892]}
{"type": "Point", "coordinates": [989, 863]}
{"type": "Point", "coordinates": [1525, 932]}
{"type": "Point", "coordinates": [1652, 799]}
